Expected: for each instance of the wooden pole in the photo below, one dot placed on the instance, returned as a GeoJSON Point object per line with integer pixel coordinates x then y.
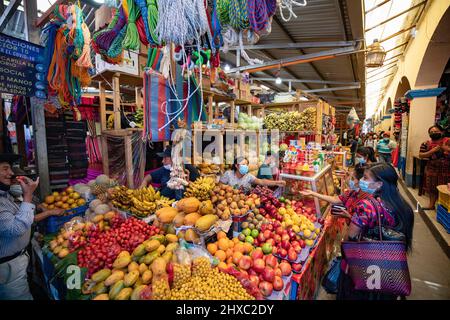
{"type": "Point", "coordinates": [102, 96]}
{"type": "Point", "coordinates": [232, 113]}
{"type": "Point", "coordinates": [129, 170]}
{"type": "Point", "coordinates": [116, 101]}
{"type": "Point", "coordinates": [210, 109]}
{"type": "Point", "coordinates": [105, 157]}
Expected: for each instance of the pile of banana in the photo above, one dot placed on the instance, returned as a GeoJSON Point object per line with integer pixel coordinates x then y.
{"type": "Point", "coordinates": [292, 121]}
{"type": "Point", "coordinates": [140, 202]}
{"type": "Point", "coordinates": [200, 188]}
{"type": "Point", "coordinates": [209, 168]}
{"type": "Point", "coordinates": [139, 117]}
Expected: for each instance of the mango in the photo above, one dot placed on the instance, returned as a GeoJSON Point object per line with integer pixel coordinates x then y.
{"type": "Point", "coordinates": [137, 283]}
{"type": "Point", "coordinates": [109, 215]}
{"type": "Point", "coordinates": [160, 238]}
{"type": "Point", "coordinates": [100, 288]}
{"type": "Point", "coordinates": [122, 262]}
{"type": "Point", "coordinates": [171, 238]}
{"type": "Point", "coordinates": [114, 277]}
{"type": "Point", "coordinates": [136, 294]}
{"type": "Point", "coordinates": [149, 257]}
{"type": "Point", "coordinates": [152, 245]}
{"type": "Point", "coordinates": [159, 267]}
{"type": "Point", "coordinates": [206, 222]}
{"type": "Point", "coordinates": [103, 296]}
{"type": "Point", "coordinates": [171, 247]}
{"type": "Point", "coordinates": [147, 277]}
{"type": "Point", "coordinates": [142, 268]}
{"type": "Point", "coordinates": [139, 251]}
{"type": "Point", "coordinates": [178, 221]}
{"type": "Point", "coordinates": [101, 275]}
{"type": "Point", "coordinates": [133, 266]}
{"type": "Point", "coordinates": [115, 289]}
{"type": "Point", "coordinates": [161, 249]}
{"type": "Point", "coordinates": [124, 294]}
{"type": "Point", "coordinates": [167, 256]}
{"type": "Point", "coordinates": [130, 278]}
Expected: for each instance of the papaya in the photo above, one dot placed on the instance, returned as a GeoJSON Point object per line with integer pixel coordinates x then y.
{"type": "Point", "coordinates": [101, 275]}
{"type": "Point", "coordinates": [100, 288]}
{"type": "Point", "coordinates": [103, 296]}
{"type": "Point", "coordinates": [136, 294]}
{"type": "Point", "coordinates": [167, 214]}
{"type": "Point", "coordinates": [130, 278]}
{"type": "Point", "coordinates": [152, 245]}
{"type": "Point", "coordinates": [114, 277]}
{"type": "Point", "coordinates": [122, 262]}
{"type": "Point", "coordinates": [142, 268]}
{"type": "Point", "coordinates": [159, 267]}
{"type": "Point", "coordinates": [124, 294]}
{"type": "Point", "coordinates": [138, 282]}
{"type": "Point", "coordinates": [189, 205]}
{"type": "Point", "coordinates": [160, 238]}
{"type": "Point", "coordinates": [171, 247]}
{"type": "Point", "coordinates": [171, 238]}
{"type": "Point", "coordinates": [161, 249]}
{"type": "Point", "coordinates": [178, 221]}
{"type": "Point", "coordinates": [191, 218]}
{"type": "Point", "coordinates": [191, 236]}
{"type": "Point", "coordinates": [123, 254]}
{"type": "Point", "coordinates": [133, 266]}
{"type": "Point", "coordinates": [147, 277]}
{"type": "Point", "coordinates": [167, 256]}
{"type": "Point", "coordinates": [150, 257]}
{"type": "Point", "coordinates": [139, 251]}
{"type": "Point", "coordinates": [205, 222]}
{"type": "Point", "coordinates": [115, 289]}
{"type": "Point", "coordinates": [206, 207]}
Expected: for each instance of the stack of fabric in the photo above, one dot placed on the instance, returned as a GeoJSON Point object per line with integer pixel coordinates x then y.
{"type": "Point", "coordinates": [76, 141]}
{"type": "Point", "coordinates": [57, 150]}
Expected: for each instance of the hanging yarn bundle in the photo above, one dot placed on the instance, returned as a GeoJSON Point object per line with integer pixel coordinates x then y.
{"type": "Point", "coordinates": [140, 23]}
{"type": "Point", "coordinates": [153, 17]}
{"type": "Point", "coordinates": [289, 4]}
{"type": "Point", "coordinates": [142, 4]}
{"type": "Point", "coordinates": [131, 41]}
{"type": "Point", "coordinates": [70, 58]}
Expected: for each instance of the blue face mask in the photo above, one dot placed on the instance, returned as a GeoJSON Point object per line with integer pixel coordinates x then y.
{"type": "Point", "coordinates": [243, 169]}
{"type": "Point", "coordinates": [352, 186]}
{"type": "Point", "coordinates": [364, 185]}
{"type": "Point", "coordinates": [360, 160]}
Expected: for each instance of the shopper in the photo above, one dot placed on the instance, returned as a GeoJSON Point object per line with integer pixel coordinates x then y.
{"type": "Point", "coordinates": [379, 180]}
{"type": "Point", "coordinates": [162, 175]}
{"type": "Point", "coordinates": [238, 177]}
{"type": "Point", "coordinates": [350, 199]}
{"type": "Point", "coordinates": [385, 148]}
{"type": "Point", "coordinates": [437, 170]}
{"type": "Point", "coordinates": [15, 232]}
{"type": "Point", "coordinates": [370, 141]}
{"type": "Point", "coordinates": [268, 169]}
{"type": "Point", "coordinates": [353, 148]}
{"type": "Point", "coordinates": [365, 155]}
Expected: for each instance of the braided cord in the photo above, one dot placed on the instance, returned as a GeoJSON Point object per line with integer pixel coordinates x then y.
{"type": "Point", "coordinates": [131, 40]}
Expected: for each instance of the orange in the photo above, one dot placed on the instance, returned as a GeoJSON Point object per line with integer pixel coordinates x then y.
{"type": "Point", "coordinates": [58, 198]}
{"type": "Point", "coordinates": [49, 199]}
{"type": "Point", "coordinates": [52, 206]}
{"type": "Point", "coordinates": [239, 247]}
{"type": "Point", "coordinates": [212, 248]}
{"type": "Point", "coordinates": [221, 235]}
{"type": "Point", "coordinates": [229, 252]}
{"type": "Point", "coordinates": [222, 265]}
{"type": "Point", "coordinates": [230, 243]}
{"type": "Point", "coordinates": [59, 204]}
{"type": "Point", "coordinates": [236, 240]}
{"type": "Point", "coordinates": [230, 260]}
{"type": "Point", "coordinates": [248, 247]}
{"type": "Point", "coordinates": [221, 255]}
{"type": "Point", "coordinates": [236, 257]}
{"type": "Point", "coordinates": [223, 244]}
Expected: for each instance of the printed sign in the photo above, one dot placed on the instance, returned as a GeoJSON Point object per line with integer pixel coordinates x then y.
{"type": "Point", "coordinates": [18, 67]}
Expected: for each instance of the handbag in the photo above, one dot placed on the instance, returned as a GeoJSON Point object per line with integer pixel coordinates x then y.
{"type": "Point", "coordinates": [378, 265]}
{"type": "Point", "coordinates": [331, 280]}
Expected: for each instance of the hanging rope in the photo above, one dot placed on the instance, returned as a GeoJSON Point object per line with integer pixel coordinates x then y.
{"type": "Point", "coordinates": [141, 30]}
{"type": "Point", "coordinates": [257, 14]}
{"type": "Point", "coordinates": [108, 28]}
{"type": "Point", "coordinates": [289, 4]}
{"type": "Point", "coordinates": [238, 14]}
{"type": "Point", "coordinates": [105, 39]}
{"type": "Point", "coordinates": [142, 4]}
{"type": "Point", "coordinates": [131, 41]}
{"type": "Point", "coordinates": [216, 27]}
{"type": "Point", "coordinates": [271, 7]}
{"type": "Point", "coordinates": [153, 17]}
{"type": "Point", "coordinates": [223, 8]}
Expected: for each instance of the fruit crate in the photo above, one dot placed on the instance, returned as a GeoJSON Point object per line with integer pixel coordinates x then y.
{"type": "Point", "coordinates": [444, 196]}
{"type": "Point", "coordinates": [54, 223]}
{"type": "Point", "coordinates": [443, 217]}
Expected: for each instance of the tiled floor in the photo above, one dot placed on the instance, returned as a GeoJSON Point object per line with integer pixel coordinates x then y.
{"type": "Point", "coordinates": [429, 265]}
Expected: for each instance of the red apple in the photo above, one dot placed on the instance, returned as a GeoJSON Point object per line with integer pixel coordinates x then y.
{"type": "Point", "coordinates": [278, 283]}
{"type": "Point", "coordinates": [285, 237]}
{"type": "Point", "coordinates": [259, 265]}
{"type": "Point", "coordinates": [266, 288]}
{"type": "Point", "coordinates": [302, 244]}
{"type": "Point", "coordinates": [244, 274]}
{"type": "Point", "coordinates": [271, 242]}
{"type": "Point", "coordinates": [267, 234]}
{"type": "Point", "coordinates": [276, 224]}
{"type": "Point", "coordinates": [274, 250]}
{"type": "Point", "coordinates": [278, 272]}
{"type": "Point", "coordinates": [257, 254]}
{"type": "Point", "coordinates": [267, 216]}
{"type": "Point", "coordinates": [245, 263]}
{"type": "Point", "coordinates": [285, 244]}
{"type": "Point", "coordinates": [254, 280]}
{"type": "Point", "coordinates": [297, 267]}
{"type": "Point", "coordinates": [295, 243]}
{"type": "Point", "coordinates": [268, 274]}
{"type": "Point", "coordinates": [261, 238]}
{"type": "Point", "coordinates": [270, 227]}
{"type": "Point", "coordinates": [277, 238]}
{"type": "Point", "coordinates": [252, 272]}
{"type": "Point", "coordinates": [285, 268]}
{"type": "Point", "coordinates": [298, 249]}
{"type": "Point", "coordinates": [292, 255]}
{"type": "Point", "coordinates": [283, 253]}
{"type": "Point", "coordinates": [271, 261]}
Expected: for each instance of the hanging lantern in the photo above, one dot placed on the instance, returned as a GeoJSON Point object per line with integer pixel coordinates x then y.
{"type": "Point", "coordinates": [375, 55]}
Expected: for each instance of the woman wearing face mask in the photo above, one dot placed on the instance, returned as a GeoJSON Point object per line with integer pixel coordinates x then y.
{"type": "Point", "coordinates": [349, 199]}
{"type": "Point", "coordinates": [379, 180]}
{"type": "Point", "coordinates": [365, 155]}
{"type": "Point", "coordinates": [437, 170]}
{"type": "Point", "coordinates": [239, 177]}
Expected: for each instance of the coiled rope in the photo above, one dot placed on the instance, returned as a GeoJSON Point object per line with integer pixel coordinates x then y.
{"type": "Point", "coordinates": [289, 4]}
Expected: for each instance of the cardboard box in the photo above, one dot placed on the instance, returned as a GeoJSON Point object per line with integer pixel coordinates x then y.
{"type": "Point", "coordinates": [244, 86]}
{"type": "Point", "coordinates": [103, 16]}
{"type": "Point", "coordinates": [130, 64]}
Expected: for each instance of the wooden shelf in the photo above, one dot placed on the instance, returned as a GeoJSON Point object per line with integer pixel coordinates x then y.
{"type": "Point", "coordinates": [128, 79]}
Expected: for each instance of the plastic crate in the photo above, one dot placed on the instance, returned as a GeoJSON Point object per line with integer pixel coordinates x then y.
{"type": "Point", "coordinates": [54, 223]}
{"type": "Point", "coordinates": [443, 217]}
{"type": "Point", "coordinates": [444, 196]}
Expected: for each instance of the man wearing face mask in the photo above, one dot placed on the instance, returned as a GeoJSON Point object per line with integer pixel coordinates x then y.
{"type": "Point", "coordinates": [385, 148]}
{"type": "Point", "coordinates": [162, 175]}
{"type": "Point", "coordinates": [239, 177]}
{"type": "Point", "coordinates": [437, 170]}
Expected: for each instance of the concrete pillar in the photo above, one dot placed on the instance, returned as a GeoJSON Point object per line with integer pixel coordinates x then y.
{"type": "Point", "coordinates": [421, 117]}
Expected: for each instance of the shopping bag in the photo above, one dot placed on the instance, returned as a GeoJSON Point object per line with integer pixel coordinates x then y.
{"type": "Point", "coordinates": [331, 280]}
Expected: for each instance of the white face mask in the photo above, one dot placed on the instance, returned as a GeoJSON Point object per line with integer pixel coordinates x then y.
{"type": "Point", "coordinates": [168, 166]}
{"type": "Point", "coordinates": [16, 190]}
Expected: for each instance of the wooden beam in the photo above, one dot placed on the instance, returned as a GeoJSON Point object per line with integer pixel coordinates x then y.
{"type": "Point", "coordinates": [232, 112]}
{"type": "Point", "coordinates": [210, 109]}
{"type": "Point", "coordinates": [129, 170]}
{"type": "Point", "coordinates": [105, 156]}
{"type": "Point", "coordinates": [102, 97]}
{"type": "Point", "coordinates": [116, 102]}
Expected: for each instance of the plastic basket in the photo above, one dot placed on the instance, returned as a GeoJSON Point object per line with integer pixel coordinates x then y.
{"type": "Point", "coordinates": [444, 196]}
{"type": "Point", "coordinates": [54, 223]}
{"type": "Point", "coordinates": [443, 217]}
